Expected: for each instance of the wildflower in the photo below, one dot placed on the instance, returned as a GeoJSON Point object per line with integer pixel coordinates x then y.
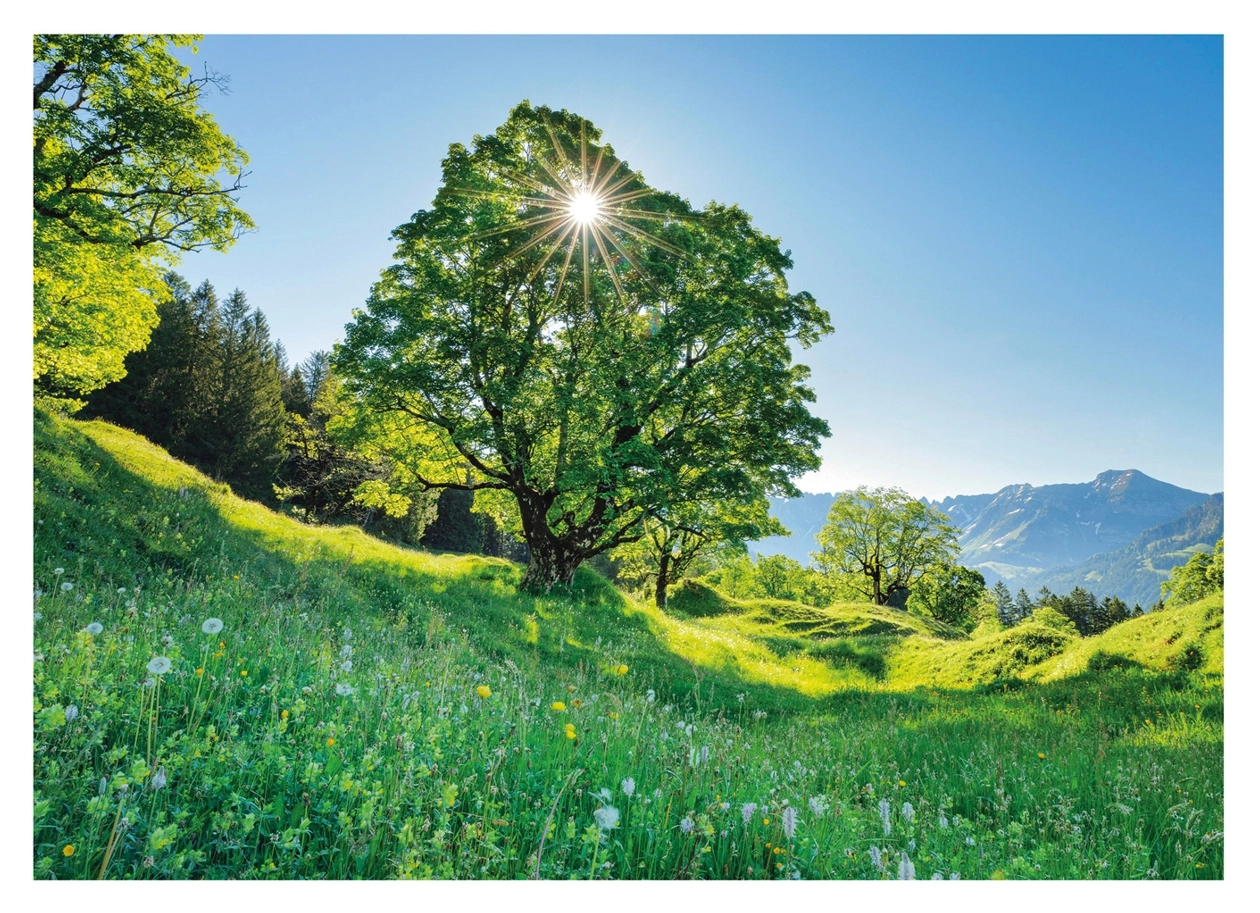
{"type": "Point", "coordinates": [159, 665]}
{"type": "Point", "coordinates": [614, 715]}
{"type": "Point", "coordinates": [943, 823]}
{"type": "Point", "coordinates": [121, 590]}
{"type": "Point", "coordinates": [622, 669]}
{"type": "Point", "coordinates": [576, 702]}
{"type": "Point", "coordinates": [570, 688]}
{"type": "Point", "coordinates": [789, 822]}
{"type": "Point", "coordinates": [347, 634]}
{"type": "Point", "coordinates": [885, 816]}
{"type": "Point", "coordinates": [344, 690]}
{"type": "Point", "coordinates": [201, 671]}
{"type": "Point", "coordinates": [347, 651]}
{"type": "Point", "coordinates": [1041, 755]}
{"type": "Point", "coordinates": [212, 626]}
{"type": "Point", "coordinates": [68, 849]}
{"type": "Point", "coordinates": [483, 691]}
{"type": "Point", "coordinates": [159, 778]}
{"type": "Point", "coordinates": [244, 673]}
{"type": "Point", "coordinates": [606, 816]}
{"type": "Point", "coordinates": [905, 871]}
{"type": "Point", "coordinates": [686, 825]}
{"type": "Point", "coordinates": [748, 810]}
{"type": "Point", "coordinates": [95, 628]}
{"type": "Point", "coordinates": [901, 782]}
{"type": "Point", "coordinates": [704, 754]}
{"type": "Point", "coordinates": [969, 840]}
{"type": "Point", "coordinates": [330, 741]}
{"type": "Point", "coordinates": [936, 876]}
{"type": "Point", "coordinates": [877, 858]}
{"type": "Point", "coordinates": [651, 695]}
{"type": "Point", "coordinates": [71, 712]}
{"type": "Point", "coordinates": [68, 586]}
{"type": "Point", "coordinates": [284, 714]}
{"type": "Point", "coordinates": [38, 616]}
{"type": "Point", "coordinates": [954, 876]}
{"type": "Point", "coordinates": [817, 804]}
{"type": "Point", "coordinates": [627, 786]}
{"type": "Point", "coordinates": [58, 571]}
{"type": "Point", "coordinates": [907, 812]}
{"type": "Point", "coordinates": [569, 731]}
{"type": "Point", "coordinates": [558, 706]}
{"type": "Point", "coordinates": [348, 666]}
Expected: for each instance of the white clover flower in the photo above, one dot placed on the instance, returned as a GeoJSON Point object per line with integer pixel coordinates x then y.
{"type": "Point", "coordinates": [344, 690]}
{"type": "Point", "coordinates": [686, 825]}
{"type": "Point", "coordinates": [907, 812]}
{"type": "Point", "coordinates": [817, 804]}
{"type": "Point", "coordinates": [58, 571]}
{"type": "Point", "coordinates": [347, 666]}
{"type": "Point", "coordinates": [95, 628]}
{"type": "Point", "coordinates": [748, 809]}
{"type": "Point", "coordinates": [606, 816]}
{"type": "Point", "coordinates": [627, 786]}
{"type": "Point", "coordinates": [159, 665]}
{"type": "Point", "coordinates": [71, 712]}
{"type": "Point", "coordinates": [212, 626]}
{"type": "Point", "coordinates": [789, 822]}
{"type": "Point", "coordinates": [67, 587]}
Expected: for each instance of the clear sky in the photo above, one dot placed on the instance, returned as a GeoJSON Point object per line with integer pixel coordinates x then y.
{"type": "Point", "coordinates": [1019, 240]}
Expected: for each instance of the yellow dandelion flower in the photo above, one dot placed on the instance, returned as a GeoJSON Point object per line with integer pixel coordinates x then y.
{"type": "Point", "coordinates": [330, 741]}
{"type": "Point", "coordinates": [558, 706]}
{"type": "Point", "coordinates": [67, 850]}
{"type": "Point", "coordinates": [901, 782]}
{"type": "Point", "coordinates": [201, 671]}
{"type": "Point", "coordinates": [1041, 755]}
{"type": "Point", "coordinates": [222, 644]}
{"type": "Point", "coordinates": [284, 714]}
{"type": "Point", "coordinates": [622, 669]}
{"type": "Point", "coordinates": [765, 821]}
{"type": "Point", "coordinates": [483, 690]}
{"type": "Point", "coordinates": [244, 673]}
{"type": "Point", "coordinates": [614, 715]}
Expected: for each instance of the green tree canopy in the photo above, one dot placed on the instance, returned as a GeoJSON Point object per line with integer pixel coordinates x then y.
{"type": "Point", "coordinates": [884, 541]}
{"type": "Point", "coordinates": [559, 336]}
{"type": "Point", "coordinates": [1201, 576]}
{"type": "Point", "coordinates": [128, 175]}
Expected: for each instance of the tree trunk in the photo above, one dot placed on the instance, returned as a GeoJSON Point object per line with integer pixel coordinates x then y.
{"type": "Point", "coordinates": [662, 578]}
{"type": "Point", "coordinates": [552, 561]}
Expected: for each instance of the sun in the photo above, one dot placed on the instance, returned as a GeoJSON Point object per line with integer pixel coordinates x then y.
{"type": "Point", "coordinates": [582, 209]}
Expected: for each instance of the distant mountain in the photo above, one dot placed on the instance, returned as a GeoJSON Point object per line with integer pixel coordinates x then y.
{"type": "Point", "coordinates": [1135, 571]}
{"type": "Point", "coordinates": [1047, 532]}
{"type": "Point", "coordinates": [804, 516]}
{"type": "Point", "coordinates": [1025, 529]}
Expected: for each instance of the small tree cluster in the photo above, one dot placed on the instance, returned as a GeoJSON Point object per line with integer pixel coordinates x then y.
{"type": "Point", "coordinates": [1202, 575]}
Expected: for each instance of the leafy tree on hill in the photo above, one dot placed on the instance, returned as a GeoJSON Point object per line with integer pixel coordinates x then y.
{"type": "Point", "coordinates": [581, 350]}
{"type": "Point", "coordinates": [129, 173]}
{"type": "Point", "coordinates": [950, 594]}
{"type": "Point", "coordinates": [1202, 575]}
{"type": "Point", "coordinates": [885, 541]}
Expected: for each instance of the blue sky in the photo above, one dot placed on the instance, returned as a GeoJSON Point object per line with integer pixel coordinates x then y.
{"type": "Point", "coordinates": [1019, 240]}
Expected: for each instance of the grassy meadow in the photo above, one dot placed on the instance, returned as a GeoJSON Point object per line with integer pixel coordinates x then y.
{"type": "Point", "coordinates": [223, 692]}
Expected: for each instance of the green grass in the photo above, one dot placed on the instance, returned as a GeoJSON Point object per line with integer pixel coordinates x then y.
{"type": "Point", "coordinates": [1023, 754]}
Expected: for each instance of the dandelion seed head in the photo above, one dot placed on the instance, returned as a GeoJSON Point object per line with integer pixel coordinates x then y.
{"type": "Point", "coordinates": [348, 666]}
{"type": "Point", "coordinates": [344, 690]}
{"type": "Point", "coordinates": [159, 665]}
{"type": "Point", "coordinates": [159, 778]}
{"type": "Point", "coordinates": [686, 825]}
{"type": "Point", "coordinates": [817, 804]}
{"type": "Point", "coordinates": [95, 628]}
{"type": "Point", "coordinates": [627, 786]}
{"type": "Point", "coordinates": [71, 712]}
{"type": "Point", "coordinates": [212, 626]}
{"type": "Point", "coordinates": [67, 587]}
{"type": "Point", "coordinates": [58, 571]}
{"type": "Point", "coordinates": [606, 817]}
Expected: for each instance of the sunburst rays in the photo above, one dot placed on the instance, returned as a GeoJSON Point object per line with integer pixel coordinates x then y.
{"type": "Point", "coordinates": [578, 207]}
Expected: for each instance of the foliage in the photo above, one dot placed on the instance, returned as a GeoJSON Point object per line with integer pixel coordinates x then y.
{"type": "Point", "coordinates": [441, 756]}
{"type": "Point", "coordinates": [127, 170]}
{"type": "Point", "coordinates": [771, 577]}
{"type": "Point", "coordinates": [660, 379]}
{"type": "Point", "coordinates": [1202, 575]}
{"type": "Point", "coordinates": [949, 593]}
{"type": "Point", "coordinates": [693, 534]}
{"type": "Point", "coordinates": [885, 539]}
{"type": "Point", "coordinates": [207, 387]}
